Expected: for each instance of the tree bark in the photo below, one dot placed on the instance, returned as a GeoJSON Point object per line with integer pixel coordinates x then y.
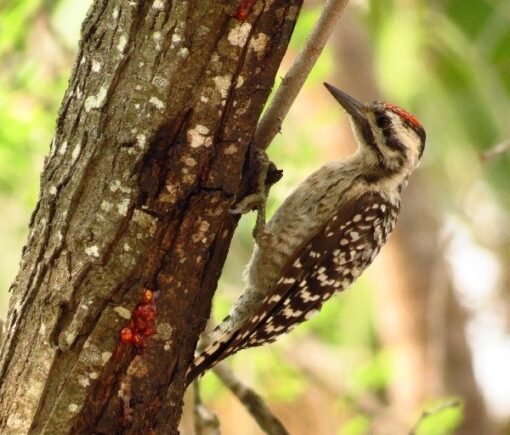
{"type": "Point", "coordinates": [150, 152]}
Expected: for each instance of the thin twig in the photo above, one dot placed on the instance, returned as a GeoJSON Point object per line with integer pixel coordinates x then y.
{"type": "Point", "coordinates": [255, 405]}
{"type": "Point", "coordinates": [206, 422]}
{"type": "Point", "coordinates": [271, 121]}
{"type": "Point", "coordinates": [426, 414]}
{"type": "Point", "coordinates": [495, 151]}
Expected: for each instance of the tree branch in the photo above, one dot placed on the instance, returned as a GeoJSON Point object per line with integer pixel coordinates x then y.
{"type": "Point", "coordinates": [271, 121]}
{"type": "Point", "coordinates": [495, 151]}
{"type": "Point", "coordinates": [254, 404]}
{"type": "Point", "coordinates": [206, 422]}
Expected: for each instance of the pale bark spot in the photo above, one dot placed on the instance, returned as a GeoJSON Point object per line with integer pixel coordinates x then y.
{"type": "Point", "coordinates": [145, 220]}
{"type": "Point", "coordinates": [93, 251]}
{"type": "Point", "coordinates": [239, 34]}
{"type": "Point", "coordinates": [123, 312]}
{"type": "Point", "coordinates": [121, 46]}
{"type": "Point", "coordinates": [231, 149]}
{"type": "Point", "coordinates": [96, 101]}
{"type": "Point", "coordinates": [190, 161]}
{"type": "Point", "coordinates": [116, 185]}
{"type": "Point", "coordinates": [197, 136]}
{"type": "Point", "coordinates": [223, 84]}
{"type": "Point", "coordinates": [157, 102]}
{"type": "Point", "coordinates": [176, 38]}
{"type": "Point", "coordinates": [105, 206]}
{"type": "Point", "coordinates": [15, 421]}
{"type": "Point", "coordinates": [70, 339]}
{"type": "Point", "coordinates": [159, 5]}
{"type": "Point", "coordinates": [76, 151]}
{"type": "Point", "coordinates": [141, 141]}
{"type": "Point", "coordinates": [105, 356]}
{"type": "Point", "coordinates": [164, 331]}
{"type": "Point", "coordinates": [156, 36]}
{"type": "Point", "coordinates": [96, 66]}
{"type": "Point", "coordinates": [159, 81]}
{"type": "Point", "coordinates": [83, 381]}
{"type": "Point", "coordinates": [62, 148]}
{"type": "Point", "coordinates": [123, 207]}
{"type": "Point", "coordinates": [259, 44]}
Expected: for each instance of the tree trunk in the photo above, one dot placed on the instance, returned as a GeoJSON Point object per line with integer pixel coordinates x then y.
{"type": "Point", "coordinates": [151, 150]}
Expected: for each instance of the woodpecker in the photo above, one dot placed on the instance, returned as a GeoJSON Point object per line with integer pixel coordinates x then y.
{"type": "Point", "coordinates": [325, 233]}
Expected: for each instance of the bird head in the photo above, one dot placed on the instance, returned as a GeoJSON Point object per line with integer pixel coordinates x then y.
{"type": "Point", "coordinates": [391, 140]}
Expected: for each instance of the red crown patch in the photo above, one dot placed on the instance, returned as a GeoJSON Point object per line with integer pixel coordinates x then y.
{"type": "Point", "coordinates": [403, 114]}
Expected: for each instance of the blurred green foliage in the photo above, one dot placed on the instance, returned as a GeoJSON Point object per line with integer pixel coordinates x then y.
{"type": "Point", "coordinates": [13, 22]}
{"type": "Point", "coordinates": [372, 374]}
{"type": "Point", "coordinates": [442, 419]}
{"type": "Point", "coordinates": [357, 425]}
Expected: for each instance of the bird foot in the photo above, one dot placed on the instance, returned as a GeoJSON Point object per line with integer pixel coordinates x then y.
{"type": "Point", "coordinates": [267, 175]}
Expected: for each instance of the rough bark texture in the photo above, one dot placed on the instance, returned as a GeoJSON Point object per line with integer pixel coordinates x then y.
{"type": "Point", "coordinates": [150, 152]}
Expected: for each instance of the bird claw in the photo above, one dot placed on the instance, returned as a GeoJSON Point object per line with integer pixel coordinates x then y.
{"type": "Point", "coordinates": [236, 210]}
{"type": "Point", "coordinates": [267, 174]}
{"type": "Point", "coordinates": [249, 203]}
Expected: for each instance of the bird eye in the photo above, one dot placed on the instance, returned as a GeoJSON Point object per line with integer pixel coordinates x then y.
{"type": "Point", "coordinates": [382, 121]}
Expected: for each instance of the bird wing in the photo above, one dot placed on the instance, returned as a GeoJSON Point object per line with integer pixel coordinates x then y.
{"type": "Point", "coordinates": [327, 263]}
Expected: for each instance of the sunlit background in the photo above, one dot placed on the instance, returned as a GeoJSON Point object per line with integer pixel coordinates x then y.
{"type": "Point", "coordinates": [430, 320]}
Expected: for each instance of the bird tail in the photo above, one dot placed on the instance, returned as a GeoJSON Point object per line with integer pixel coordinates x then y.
{"type": "Point", "coordinates": [210, 356]}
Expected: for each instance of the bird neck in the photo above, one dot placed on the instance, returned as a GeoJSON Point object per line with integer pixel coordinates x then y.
{"type": "Point", "coordinates": [368, 167]}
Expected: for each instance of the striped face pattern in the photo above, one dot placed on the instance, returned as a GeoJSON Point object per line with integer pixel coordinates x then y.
{"type": "Point", "coordinates": [327, 264]}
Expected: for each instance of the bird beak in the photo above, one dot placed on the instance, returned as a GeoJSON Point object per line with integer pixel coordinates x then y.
{"type": "Point", "coordinates": [352, 106]}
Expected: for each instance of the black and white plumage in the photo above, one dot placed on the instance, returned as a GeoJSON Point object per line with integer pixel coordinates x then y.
{"type": "Point", "coordinates": [325, 233]}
